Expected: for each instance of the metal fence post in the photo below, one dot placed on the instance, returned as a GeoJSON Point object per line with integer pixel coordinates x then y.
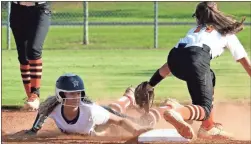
{"type": "Point", "coordinates": [86, 41]}
{"type": "Point", "coordinates": [155, 24]}
{"type": "Point", "coordinates": [8, 28]}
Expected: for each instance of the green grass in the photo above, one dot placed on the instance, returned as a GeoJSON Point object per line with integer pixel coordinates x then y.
{"type": "Point", "coordinates": [107, 73]}
{"type": "Point", "coordinates": [116, 58]}
{"type": "Point", "coordinates": [116, 37]}
{"type": "Point", "coordinates": [137, 11]}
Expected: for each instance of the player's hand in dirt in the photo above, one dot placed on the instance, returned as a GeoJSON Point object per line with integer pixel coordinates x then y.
{"type": "Point", "coordinates": [23, 134]}
{"type": "Point", "coordinates": [30, 132]}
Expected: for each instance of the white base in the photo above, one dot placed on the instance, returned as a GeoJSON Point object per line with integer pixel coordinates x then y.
{"type": "Point", "coordinates": [162, 135]}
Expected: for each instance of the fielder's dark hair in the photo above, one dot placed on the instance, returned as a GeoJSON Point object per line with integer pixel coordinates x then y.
{"type": "Point", "coordinates": [208, 14]}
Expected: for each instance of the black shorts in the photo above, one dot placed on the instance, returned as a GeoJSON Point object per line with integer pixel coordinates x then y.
{"type": "Point", "coordinates": [192, 64]}
{"type": "Point", "coordinates": [29, 27]}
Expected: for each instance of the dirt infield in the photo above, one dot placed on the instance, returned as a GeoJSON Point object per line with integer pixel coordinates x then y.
{"type": "Point", "coordinates": [234, 117]}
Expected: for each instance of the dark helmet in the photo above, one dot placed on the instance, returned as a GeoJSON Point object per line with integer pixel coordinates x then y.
{"type": "Point", "coordinates": [69, 83]}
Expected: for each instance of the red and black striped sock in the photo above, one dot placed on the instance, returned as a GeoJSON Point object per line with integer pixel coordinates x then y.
{"type": "Point", "coordinates": [25, 74]}
{"type": "Point", "coordinates": [35, 74]}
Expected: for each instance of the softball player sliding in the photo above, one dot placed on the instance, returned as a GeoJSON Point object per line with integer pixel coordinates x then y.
{"type": "Point", "coordinates": [74, 113]}
{"type": "Point", "coordinates": [190, 60]}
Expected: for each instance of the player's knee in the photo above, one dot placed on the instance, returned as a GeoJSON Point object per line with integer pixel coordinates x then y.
{"type": "Point", "coordinates": [213, 78]}
{"type": "Point", "coordinates": [23, 61]}
{"type": "Point", "coordinates": [35, 55]}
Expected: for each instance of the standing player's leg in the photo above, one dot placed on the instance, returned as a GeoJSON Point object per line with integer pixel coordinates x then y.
{"type": "Point", "coordinates": [39, 23]}
{"type": "Point", "coordinates": [18, 26]}
{"type": "Point", "coordinates": [124, 102]}
{"type": "Point", "coordinates": [209, 123]}
{"type": "Point", "coordinates": [194, 68]}
{"type": "Point", "coordinates": [200, 89]}
{"type": "Point", "coordinates": [209, 128]}
{"type": "Point", "coordinates": [200, 86]}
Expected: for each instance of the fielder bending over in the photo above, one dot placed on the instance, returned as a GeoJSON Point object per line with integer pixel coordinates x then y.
{"type": "Point", "coordinates": [190, 61]}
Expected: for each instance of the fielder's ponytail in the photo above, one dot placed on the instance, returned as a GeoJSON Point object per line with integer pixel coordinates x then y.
{"type": "Point", "coordinates": [207, 13]}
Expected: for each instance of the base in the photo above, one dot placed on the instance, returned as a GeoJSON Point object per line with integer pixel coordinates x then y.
{"type": "Point", "coordinates": [162, 135]}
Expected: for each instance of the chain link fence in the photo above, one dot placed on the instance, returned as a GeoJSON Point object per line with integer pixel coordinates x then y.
{"type": "Point", "coordinates": [116, 15]}
{"type": "Point", "coordinates": [4, 11]}
{"type": "Point", "coordinates": [63, 13]}
{"type": "Point", "coordinates": [110, 13]}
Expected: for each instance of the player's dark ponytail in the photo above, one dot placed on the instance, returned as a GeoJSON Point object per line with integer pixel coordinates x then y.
{"type": "Point", "coordinates": [208, 14]}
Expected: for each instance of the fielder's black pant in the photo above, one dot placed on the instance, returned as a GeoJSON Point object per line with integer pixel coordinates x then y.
{"type": "Point", "coordinates": [29, 26]}
{"type": "Point", "coordinates": [192, 65]}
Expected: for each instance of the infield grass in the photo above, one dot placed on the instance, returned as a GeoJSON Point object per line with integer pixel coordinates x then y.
{"type": "Point", "coordinates": [107, 73]}
{"type": "Point", "coordinates": [116, 37]}
{"type": "Point", "coordinates": [120, 56]}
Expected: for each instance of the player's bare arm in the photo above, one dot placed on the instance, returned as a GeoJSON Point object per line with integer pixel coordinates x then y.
{"type": "Point", "coordinates": [245, 62]}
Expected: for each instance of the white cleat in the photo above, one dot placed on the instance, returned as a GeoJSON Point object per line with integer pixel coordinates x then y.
{"type": "Point", "coordinates": [172, 103]}
{"type": "Point", "coordinates": [32, 103]}
{"type": "Point", "coordinates": [216, 132]}
{"type": "Point", "coordinates": [183, 128]}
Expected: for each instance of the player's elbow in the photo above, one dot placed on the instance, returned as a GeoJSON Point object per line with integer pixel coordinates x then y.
{"type": "Point", "coordinates": [164, 70]}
